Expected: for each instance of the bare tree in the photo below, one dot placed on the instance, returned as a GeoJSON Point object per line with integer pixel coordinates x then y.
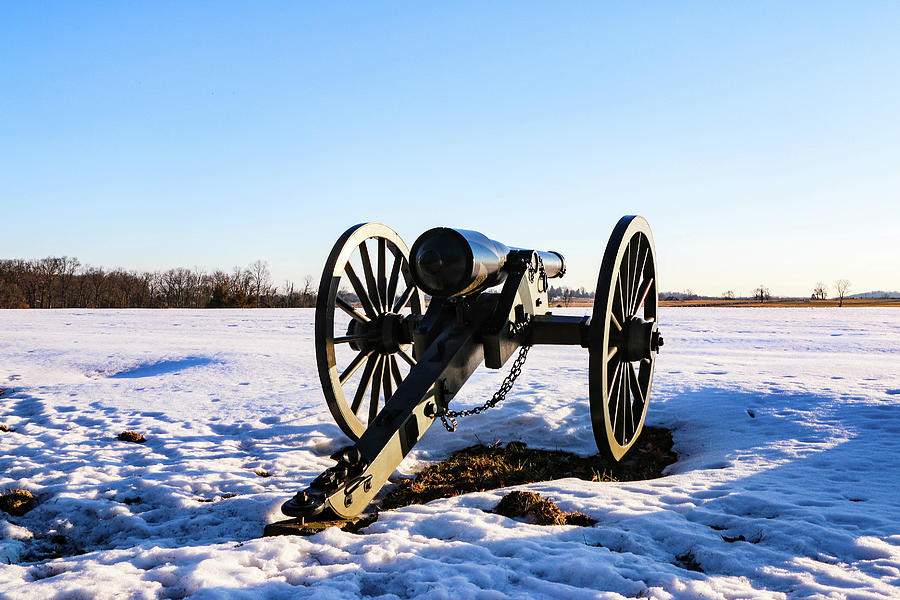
{"type": "Point", "coordinates": [96, 280]}
{"type": "Point", "coordinates": [762, 293]}
{"type": "Point", "coordinates": [67, 276]}
{"type": "Point", "coordinates": [308, 294]}
{"type": "Point", "coordinates": [820, 292]}
{"type": "Point", "coordinates": [728, 295]}
{"type": "Point", "coordinates": [841, 287]}
{"type": "Point", "coordinates": [241, 282]}
{"type": "Point", "coordinates": [179, 286]}
{"type": "Point", "coordinates": [260, 279]}
{"type": "Point", "coordinates": [288, 298]}
{"type": "Point", "coordinates": [48, 269]}
{"type": "Point", "coordinates": [26, 279]}
{"type": "Point", "coordinates": [62, 282]}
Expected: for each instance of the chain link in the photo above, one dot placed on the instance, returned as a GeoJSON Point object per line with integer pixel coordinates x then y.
{"type": "Point", "coordinates": [448, 417]}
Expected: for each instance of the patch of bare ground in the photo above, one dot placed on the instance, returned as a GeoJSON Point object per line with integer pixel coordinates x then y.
{"type": "Point", "coordinates": [5, 428]}
{"type": "Point", "coordinates": [540, 511]}
{"type": "Point", "coordinates": [16, 502]}
{"type": "Point", "coordinates": [131, 436]}
{"type": "Point", "coordinates": [480, 468]}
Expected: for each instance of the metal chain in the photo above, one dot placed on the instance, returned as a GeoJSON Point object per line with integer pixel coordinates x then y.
{"type": "Point", "coordinates": [448, 417]}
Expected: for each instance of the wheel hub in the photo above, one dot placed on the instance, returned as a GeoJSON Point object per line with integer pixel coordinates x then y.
{"type": "Point", "coordinates": [384, 334]}
{"type": "Point", "coordinates": [640, 339]}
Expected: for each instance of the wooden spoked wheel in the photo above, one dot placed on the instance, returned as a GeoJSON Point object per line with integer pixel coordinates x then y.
{"type": "Point", "coordinates": [623, 337]}
{"type": "Point", "coordinates": [363, 350]}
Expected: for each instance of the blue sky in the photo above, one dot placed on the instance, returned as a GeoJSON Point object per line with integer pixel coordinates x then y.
{"type": "Point", "coordinates": [761, 140]}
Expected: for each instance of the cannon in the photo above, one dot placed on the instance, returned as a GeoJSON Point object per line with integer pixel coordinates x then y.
{"type": "Point", "coordinates": [391, 363]}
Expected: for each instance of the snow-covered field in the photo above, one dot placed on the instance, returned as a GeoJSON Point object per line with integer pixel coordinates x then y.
{"type": "Point", "coordinates": [786, 422]}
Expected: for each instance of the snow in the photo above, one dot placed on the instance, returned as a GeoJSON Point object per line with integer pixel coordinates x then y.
{"type": "Point", "coordinates": [786, 422]}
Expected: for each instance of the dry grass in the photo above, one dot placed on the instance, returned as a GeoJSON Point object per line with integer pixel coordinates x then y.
{"type": "Point", "coordinates": [16, 502]}
{"type": "Point", "coordinates": [262, 473]}
{"type": "Point", "coordinates": [4, 428]}
{"type": "Point", "coordinates": [538, 510]}
{"type": "Point", "coordinates": [480, 468]}
{"type": "Point", "coordinates": [131, 436]}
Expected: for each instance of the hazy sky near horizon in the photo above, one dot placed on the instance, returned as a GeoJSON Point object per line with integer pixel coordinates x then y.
{"type": "Point", "coordinates": [761, 140]}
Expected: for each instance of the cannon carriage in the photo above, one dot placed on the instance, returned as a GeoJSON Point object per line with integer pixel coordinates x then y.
{"type": "Point", "coordinates": [390, 364]}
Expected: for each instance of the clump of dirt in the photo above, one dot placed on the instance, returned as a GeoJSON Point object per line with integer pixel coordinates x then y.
{"type": "Point", "coordinates": [5, 428]}
{"type": "Point", "coordinates": [16, 502]}
{"type": "Point", "coordinates": [480, 468]}
{"type": "Point", "coordinates": [538, 510]}
{"type": "Point", "coordinates": [131, 436]}
{"type": "Point", "coordinates": [689, 561]}
{"type": "Point", "coordinates": [262, 473]}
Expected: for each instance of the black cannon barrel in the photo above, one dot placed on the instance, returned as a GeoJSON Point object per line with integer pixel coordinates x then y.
{"type": "Point", "coordinates": [449, 262]}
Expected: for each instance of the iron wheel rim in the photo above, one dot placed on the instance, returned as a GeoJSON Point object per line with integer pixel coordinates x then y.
{"type": "Point", "coordinates": [626, 290]}
{"type": "Point", "coordinates": [377, 292]}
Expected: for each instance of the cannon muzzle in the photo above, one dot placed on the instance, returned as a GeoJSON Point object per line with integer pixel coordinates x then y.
{"type": "Point", "coordinates": [449, 262]}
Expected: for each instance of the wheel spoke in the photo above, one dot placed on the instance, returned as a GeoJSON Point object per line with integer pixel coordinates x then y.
{"type": "Point", "coordinates": [638, 392]}
{"type": "Point", "coordinates": [350, 338]}
{"type": "Point", "coordinates": [632, 424]}
{"type": "Point", "coordinates": [360, 291]}
{"type": "Point", "coordinates": [625, 266]}
{"type": "Point", "coordinates": [392, 284]}
{"type": "Point", "coordinates": [615, 321]}
{"type": "Point", "coordinates": [640, 276]}
{"type": "Point", "coordinates": [626, 394]}
{"type": "Point", "coordinates": [364, 384]}
{"type": "Point", "coordinates": [405, 356]}
{"type": "Point", "coordinates": [611, 353]}
{"type": "Point", "coordinates": [615, 377]}
{"type": "Point", "coordinates": [404, 298]}
{"type": "Point", "coordinates": [353, 366]}
{"type": "Point", "coordinates": [376, 389]}
{"type": "Point", "coordinates": [348, 308]}
{"type": "Point", "coordinates": [386, 379]}
{"type": "Point", "coordinates": [635, 273]}
{"type": "Point", "coordinates": [622, 314]}
{"type": "Point", "coordinates": [382, 272]}
{"type": "Point", "coordinates": [395, 371]}
{"type": "Point", "coordinates": [616, 400]}
{"type": "Point", "coordinates": [643, 296]}
{"type": "Point", "coordinates": [370, 277]}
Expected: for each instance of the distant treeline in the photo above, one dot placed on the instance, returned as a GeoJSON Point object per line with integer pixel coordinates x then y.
{"type": "Point", "coordinates": [63, 282]}
{"type": "Point", "coordinates": [566, 294]}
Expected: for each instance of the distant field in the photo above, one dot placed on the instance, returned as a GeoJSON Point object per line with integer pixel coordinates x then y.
{"type": "Point", "coordinates": [753, 303]}
{"type": "Point", "coordinates": [785, 303]}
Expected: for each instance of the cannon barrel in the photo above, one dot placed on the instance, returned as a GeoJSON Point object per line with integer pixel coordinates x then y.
{"type": "Point", "coordinates": [449, 262]}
